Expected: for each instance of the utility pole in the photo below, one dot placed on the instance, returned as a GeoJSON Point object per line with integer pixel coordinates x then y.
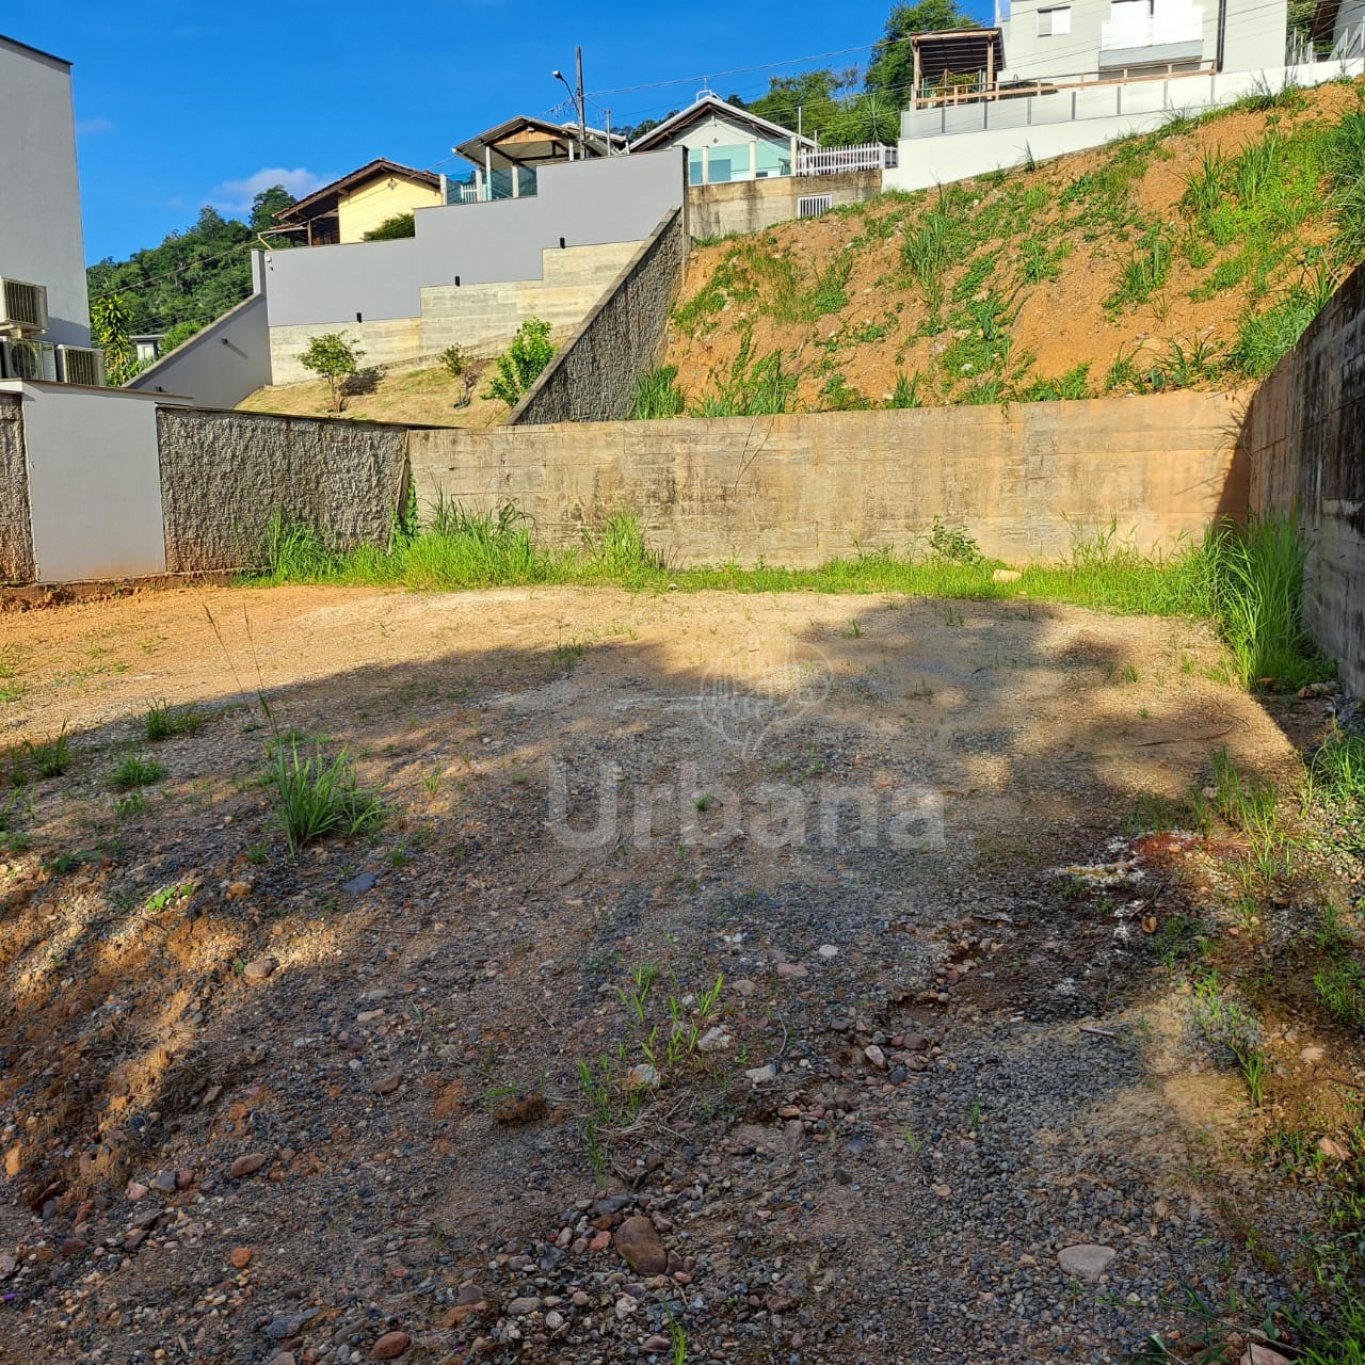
{"type": "Point", "coordinates": [582, 117]}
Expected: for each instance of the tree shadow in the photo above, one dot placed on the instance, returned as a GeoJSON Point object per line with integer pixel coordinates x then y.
{"type": "Point", "coordinates": [931, 765]}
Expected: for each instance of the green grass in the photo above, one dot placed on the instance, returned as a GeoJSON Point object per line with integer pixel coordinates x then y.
{"type": "Point", "coordinates": [51, 758]}
{"type": "Point", "coordinates": [1256, 217]}
{"type": "Point", "coordinates": [136, 771]}
{"type": "Point", "coordinates": [657, 395]}
{"type": "Point", "coordinates": [1249, 580]}
{"type": "Point", "coordinates": [164, 721]}
{"type": "Point", "coordinates": [315, 796]}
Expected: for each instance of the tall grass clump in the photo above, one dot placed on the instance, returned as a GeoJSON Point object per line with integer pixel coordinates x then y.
{"type": "Point", "coordinates": [1346, 165]}
{"type": "Point", "coordinates": [315, 796]}
{"type": "Point", "coordinates": [295, 552]}
{"type": "Point", "coordinates": [752, 388]}
{"type": "Point", "coordinates": [617, 553]}
{"type": "Point", "coordinates": [1258, 601]}
{"type": "Point", "coordinates": [465, 549]}
{"type": "Point", "coordinates": [657, 395]}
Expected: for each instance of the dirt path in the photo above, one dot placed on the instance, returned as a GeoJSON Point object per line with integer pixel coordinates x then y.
{"type": "Point", "coordinates": [929, 1067]}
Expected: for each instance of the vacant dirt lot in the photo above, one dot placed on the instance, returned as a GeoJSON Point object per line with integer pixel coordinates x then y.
{"type": "Point", "coordinates": [784, 865]}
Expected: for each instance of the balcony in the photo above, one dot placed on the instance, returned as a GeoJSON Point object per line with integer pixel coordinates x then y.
{"type": "Point", "coordinates": [1177, 31]}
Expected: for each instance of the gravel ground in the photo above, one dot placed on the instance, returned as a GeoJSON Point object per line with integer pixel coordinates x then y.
{"type": "Point", "coordinates": [332, 1107]}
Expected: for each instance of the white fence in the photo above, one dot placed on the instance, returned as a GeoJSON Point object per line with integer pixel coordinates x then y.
{"type": "Point", "coordinates": [871, 156]}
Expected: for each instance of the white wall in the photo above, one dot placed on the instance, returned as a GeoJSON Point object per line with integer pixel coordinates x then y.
{"type": "Point", "coordinates": [40, 199]}
{"type": "Point", "coordinates": [955, 144]}
{"type": "Point", "coordinates": [219, 366]}
{"type": "Point", "coordinates": [94, 480]}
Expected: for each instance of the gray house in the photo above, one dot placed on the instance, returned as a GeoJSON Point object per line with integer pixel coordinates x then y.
{"type": "Point", "coordinates": [41, 241]}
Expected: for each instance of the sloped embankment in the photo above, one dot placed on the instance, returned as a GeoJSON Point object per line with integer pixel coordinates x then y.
{"type": "Point", "coordinates": [1193, 256]}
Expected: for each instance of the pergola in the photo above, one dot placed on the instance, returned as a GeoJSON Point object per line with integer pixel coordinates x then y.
{"type": "Point", "coordinates": [956, 52]}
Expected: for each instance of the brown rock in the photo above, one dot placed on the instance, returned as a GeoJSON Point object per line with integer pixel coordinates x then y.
{"type": "Point", "coordinates": [1256, 1354]}
{"type": "Point", "coordinates": [656, 1343]}
{"type": "Point", "coordinates": [135, 1239]}
{"type": "Point", "coordinates": [238, 890]}
{"type": "Point", "coordinates": [247, 1165]}
{"type": "Point", "coordinates": [640, 1245]}
{"type": "Point", "coordinates": [469, 1293]}
{"type": "Point", "coordinates": [8, 1265]}
{"type": "Point", "coordinates": [390, 1346]}
{"type": "Point", "coordinates": [386, 1085]}
{"type": "Point", "coordinates": [136, 1190]}
{"type": "Point", "coordinates": [240, 1257]}
{"type": "Point", "coordinates": [520, 1109]}
{"type": "Point", "coordinates": [261, 969]}
{"type": "Point", "coordinates": [1332, 1149]}
{"type": "Point", "coordinates": [791, 971]}
{"type": "Point", "coordinates": [461, 1314]}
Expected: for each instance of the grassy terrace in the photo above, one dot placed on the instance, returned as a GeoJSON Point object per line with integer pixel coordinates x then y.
{"type": "Point", "coordinates": [1249, 581]}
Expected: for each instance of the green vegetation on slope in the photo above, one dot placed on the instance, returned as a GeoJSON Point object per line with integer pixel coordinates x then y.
{"type": "Point", "coordinates": [1248, 580]}
{"type": "Point", "coordinates": [1206, 246]}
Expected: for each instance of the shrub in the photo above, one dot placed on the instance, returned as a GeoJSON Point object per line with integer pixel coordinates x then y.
{"type": "Point", "coordinates": [525, 361]}
{"type": "Point", "coordinates": [334, 359]}
{"type": "Point", "coordinates": [392, 229]}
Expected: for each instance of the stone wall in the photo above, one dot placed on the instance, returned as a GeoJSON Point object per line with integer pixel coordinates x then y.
{"type": "Point", "coordinates": [224, 475]}
{"type": "Point", "coordinates": [753, 205]}
{"type": "Point", "coordinates": [1304, 442]}
{"type": "Point", "coordinates": [594, 376]}
{"type": "Point", "coordinates": [798, 489]}
{"type": "Point", "coordinates": [16, 528]}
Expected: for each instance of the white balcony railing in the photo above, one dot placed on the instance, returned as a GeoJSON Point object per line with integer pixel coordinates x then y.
{"type": "Point", "coordinates": [1134, 25]}
{"type": "Point", "coordinates": [871, 156]}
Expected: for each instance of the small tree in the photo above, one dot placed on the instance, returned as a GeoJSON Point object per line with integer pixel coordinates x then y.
{"type": "Point", "coordinates": [335, 359]}
{"type": "Point", "coordinates": [111, 322]}
{"type": "Point", "coordinates": [456, 364]}
{"type": "Point", "coordinates": [528, 355]}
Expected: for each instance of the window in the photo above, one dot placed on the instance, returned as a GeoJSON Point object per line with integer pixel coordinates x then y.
{"type": "Point", "coordinates": [1054, 22]}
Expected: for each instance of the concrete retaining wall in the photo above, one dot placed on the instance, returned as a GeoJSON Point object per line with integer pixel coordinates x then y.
{"type": "Point", "coordinates": [16, 528]}
{"type": "Point", "coordinates": [481, 318]}
{"type": "Point", "coordinates": [595, 375]}
{"type": "Point", "coordinates": [753, 205]}
{"type": "Point", "coordinates": [224, 475]}
{"type": "Point", "coordinates": [796, 490]}
{"type": "Point", "coordinates": [219, 366]}
{"type": "Point", "coordinates": [1304, 441]}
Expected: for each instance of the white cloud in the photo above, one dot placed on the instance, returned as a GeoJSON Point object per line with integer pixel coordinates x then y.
{"type": "Point", "coordinates": [89, 127]}
{"type": "Point", "coordinates": [236, 195]}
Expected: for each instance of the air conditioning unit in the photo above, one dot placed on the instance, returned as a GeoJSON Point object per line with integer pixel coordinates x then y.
{"type": "Point", "coordinates": [81, 365]}
{"type": "Point", "coordinates": [23, 307]}
{"type": "Point", "coordinates": [21, 359]}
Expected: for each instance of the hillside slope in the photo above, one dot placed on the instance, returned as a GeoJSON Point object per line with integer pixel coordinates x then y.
{"type": "Point", "coordinates": [1189, 257]}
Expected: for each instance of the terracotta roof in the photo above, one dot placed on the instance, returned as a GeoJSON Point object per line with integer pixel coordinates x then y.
{"type": "Point", "coordinates": [373, 171]}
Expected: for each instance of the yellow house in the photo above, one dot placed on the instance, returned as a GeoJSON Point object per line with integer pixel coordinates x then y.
{"type": "Point", "coordinates": [347, 209]}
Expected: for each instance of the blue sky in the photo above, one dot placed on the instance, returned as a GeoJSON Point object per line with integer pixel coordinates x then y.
{"type": "Point", "coordinates": [182, 104]}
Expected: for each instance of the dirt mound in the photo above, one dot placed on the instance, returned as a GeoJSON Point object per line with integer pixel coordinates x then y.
{"type": "Point", "coordinates": [1188, 257]}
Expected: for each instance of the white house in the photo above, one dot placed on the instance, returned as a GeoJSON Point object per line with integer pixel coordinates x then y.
{"type": "Point", "coordinates": [1058, 76]}
{"type": "Point", "coordinates": [725, 143]}
{"type": "Point", "coordinates": [41, 241]}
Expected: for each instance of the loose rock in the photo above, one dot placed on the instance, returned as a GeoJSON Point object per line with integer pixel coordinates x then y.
{"type": "Point", "coordinates": [1086, 1262]}
{"type": "Point", "coordinates": [640, 1245]}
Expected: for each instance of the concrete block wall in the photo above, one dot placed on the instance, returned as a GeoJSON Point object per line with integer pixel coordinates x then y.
{"type": "Point", "coordinates": [16, 527]}
{"type": "Point", "coordinates": [1304, 443]}
{"type": "Point", "coordinates": [482, 318]}
{"type": "Point", "coordinates": [753, 205]}
{"type": "Point", "coordinates": [798, 489]}
{"type": "Point", "coordinates": [384, 342]}
{"type": "Point", "coordinates": [225, 475]}
{"type": "Point", "coordinates": [594, 376]}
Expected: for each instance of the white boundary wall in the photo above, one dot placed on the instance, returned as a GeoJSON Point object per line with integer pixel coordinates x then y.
{"type": "Point", "coordinates": [942, 145]}
{"type": "Point", "coordinates": [94, 482]}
